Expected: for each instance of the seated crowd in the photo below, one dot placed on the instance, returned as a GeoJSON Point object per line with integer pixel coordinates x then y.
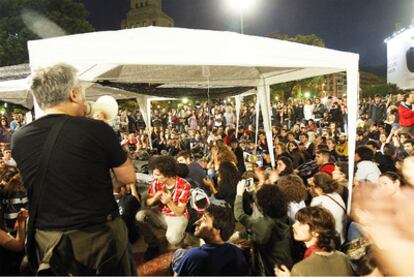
{"type": "Point", "coordinates": [215, 183]}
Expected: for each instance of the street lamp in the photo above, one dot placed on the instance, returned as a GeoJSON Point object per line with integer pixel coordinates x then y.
{"type": "Point", "coordinates": [241, 6]}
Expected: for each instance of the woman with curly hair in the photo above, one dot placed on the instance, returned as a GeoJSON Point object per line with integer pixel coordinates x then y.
{"type": "Point", "coordinates": [315, 226]}
{"type": "Point", "coordinates": [324, 191]}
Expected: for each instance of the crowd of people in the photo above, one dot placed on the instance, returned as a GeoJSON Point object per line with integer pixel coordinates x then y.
{"type": "Point", "coordinates": [207, 176]}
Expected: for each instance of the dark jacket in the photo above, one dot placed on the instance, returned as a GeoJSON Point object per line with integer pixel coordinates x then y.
{"type": "Point", "coordinates": [271, 239]}
{"type": "Point", "coordinates": [377, 112]}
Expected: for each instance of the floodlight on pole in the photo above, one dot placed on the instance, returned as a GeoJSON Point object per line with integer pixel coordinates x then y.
{"type": "Point", "coordinates": [241, 6]}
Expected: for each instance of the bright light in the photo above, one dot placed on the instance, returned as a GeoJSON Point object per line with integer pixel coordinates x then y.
{"type": "Point", "coordinates": [184, 100]}
{"type": "Point", "coordinates": [307, 94]}
{"type": "Point", "coordinates": [5, 105]}
{"type": "Point", "coordinates": [277, 98]}
{"type": "Point", "coordinates": [241, 5]}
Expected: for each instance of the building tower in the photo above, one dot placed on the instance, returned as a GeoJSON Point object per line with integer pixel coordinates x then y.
{"type": "Point", "coordinates": [146, 13]}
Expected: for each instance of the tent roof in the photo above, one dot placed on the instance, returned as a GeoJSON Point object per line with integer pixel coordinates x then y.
{"type": "Point", "coordinates": [14, 72]}
{"type": "Point", "coordinates": [184, 57]}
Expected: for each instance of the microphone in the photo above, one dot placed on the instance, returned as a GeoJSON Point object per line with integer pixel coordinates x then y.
{"type": "Point", "coordinates": [105, 105]}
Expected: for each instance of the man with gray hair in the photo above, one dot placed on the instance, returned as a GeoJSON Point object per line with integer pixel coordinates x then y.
{"type": "Point", "coordinates": [65, 161]}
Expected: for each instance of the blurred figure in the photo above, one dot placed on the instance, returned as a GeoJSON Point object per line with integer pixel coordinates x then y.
{"type": "Point", "coordinates": [386, 220]}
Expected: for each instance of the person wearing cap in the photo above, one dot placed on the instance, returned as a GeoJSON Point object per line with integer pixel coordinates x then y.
{"type": "Point", "coordinates": [75, 205]}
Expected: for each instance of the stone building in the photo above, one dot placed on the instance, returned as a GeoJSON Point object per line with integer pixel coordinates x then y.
{"type": "Point", "coordinates": [146, 13]}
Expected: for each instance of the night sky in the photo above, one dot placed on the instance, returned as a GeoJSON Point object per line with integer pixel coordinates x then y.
{"type": "Point", "coordinates": [358, 26]}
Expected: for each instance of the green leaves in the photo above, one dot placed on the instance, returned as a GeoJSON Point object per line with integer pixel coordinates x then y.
{"type": "Point", "coordinates": [69, 15]}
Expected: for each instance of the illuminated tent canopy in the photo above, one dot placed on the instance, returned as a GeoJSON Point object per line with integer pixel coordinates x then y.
{"type": "Point", "coordinates": [203, 59]}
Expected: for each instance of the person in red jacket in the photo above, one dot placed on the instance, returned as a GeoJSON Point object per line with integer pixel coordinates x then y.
{"type": "Point", "coordinates": [322, 159]}
{"type": "Point", "coordinates": [406, 113]}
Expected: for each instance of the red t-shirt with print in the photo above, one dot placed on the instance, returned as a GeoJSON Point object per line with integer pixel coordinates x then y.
{"type": "Point", "coordinates": [179, 194]}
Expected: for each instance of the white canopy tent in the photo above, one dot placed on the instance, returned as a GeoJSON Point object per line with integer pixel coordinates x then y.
{"type": "Point", "coordinates": [178, 57]}
{"type": "Point", "coordinates": [18, 92]}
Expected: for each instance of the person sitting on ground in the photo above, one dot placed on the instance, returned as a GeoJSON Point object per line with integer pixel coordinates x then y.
{"type": "Point", "coordinates": [284, 166]}
{"type": "Point", "coordinates": [340, 176]}
{"type": "Point", "coordinates": [269, 234]}
{"type": "Point", "coordinates": [195, 171]}
{"type": "Point", "coordinates": [128, 200]}
{"type": "Point", "coordinates": [215, 257]}
{"type": "Point", "coordinates": [295, 193]}
{"type": "Point", "coordinates": [7, 157]}
{"type": "Point", "coordinates": [315, 226]}
{"type": "Point", "coordinates": [297, 156]}
{"type": "Point", "coordinates": [12, 248]}
{"type": "Point", "coordinates": [238, 151]}
{"type": "Point", "coordinates": [322, 160]}
{"type": "Point", "coordinates": [366, 168]}
{"type": "Point", "coordinates": [13, 198]}
{"type": "Point", "coordinates": [323, 190]}
{"type": "Point", "coordinates": [227, 179]}
{"type": "Point", "coordinates": [392, 182]}
{"type": "Point", "coordinates": [166, 205]}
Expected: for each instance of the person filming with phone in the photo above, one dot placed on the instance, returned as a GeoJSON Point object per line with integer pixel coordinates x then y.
{"type": "Point", "coordinates": [270, 233]}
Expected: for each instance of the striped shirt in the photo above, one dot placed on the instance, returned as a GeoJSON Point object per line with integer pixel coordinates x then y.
{"type": "Point", "coordinates": [179, 194]}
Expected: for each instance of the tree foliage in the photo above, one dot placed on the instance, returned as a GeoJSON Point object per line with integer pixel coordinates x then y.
{"type": "Point", "coordinates": [381, 89]}
{"type": "Point", "coordinates": [304, 39]}
{"type": "Point", "coordinates": [70, 15]}
{"type": "Point", "coordinates": [295, 88]}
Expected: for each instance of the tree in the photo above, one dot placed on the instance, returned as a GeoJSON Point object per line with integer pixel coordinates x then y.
{"type": "Point", "coordinates": [304, 39]}
{"type": "Point", "coordinates": [69, 15]}
{"type": "Point", "coordinates": [294, 88]}
{"type": "Point", "coordinates": [381, 89]}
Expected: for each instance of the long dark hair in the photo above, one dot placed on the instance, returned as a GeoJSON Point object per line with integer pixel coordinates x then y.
{"type": "Point", "coordinates": [229, 175]}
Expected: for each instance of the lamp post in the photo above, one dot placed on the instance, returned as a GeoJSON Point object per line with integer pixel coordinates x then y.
{"type": "Point", "coordinates": [241, 6]}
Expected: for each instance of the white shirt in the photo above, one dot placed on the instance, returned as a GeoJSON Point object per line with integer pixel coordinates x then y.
{"type": "Point", "coordinates": [367, 170]}
{"type": "Point", "coordinates": [293, 208]}
{"type": "Point", "coordinates": [308, 111]}
{"type": "Point", "coordinates": [337, 211]}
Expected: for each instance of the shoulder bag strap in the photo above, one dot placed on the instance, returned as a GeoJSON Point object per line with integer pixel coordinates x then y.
{"type": "Point", "coordinates": [42, 170]}
{"type": "Point", "coordinates": [343, 208]}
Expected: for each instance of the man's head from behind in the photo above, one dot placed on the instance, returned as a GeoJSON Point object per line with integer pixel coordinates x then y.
{"type": "Point", "coordinates": [217, 224]}
{"type": "Point", "coordinates": [57, 85]}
